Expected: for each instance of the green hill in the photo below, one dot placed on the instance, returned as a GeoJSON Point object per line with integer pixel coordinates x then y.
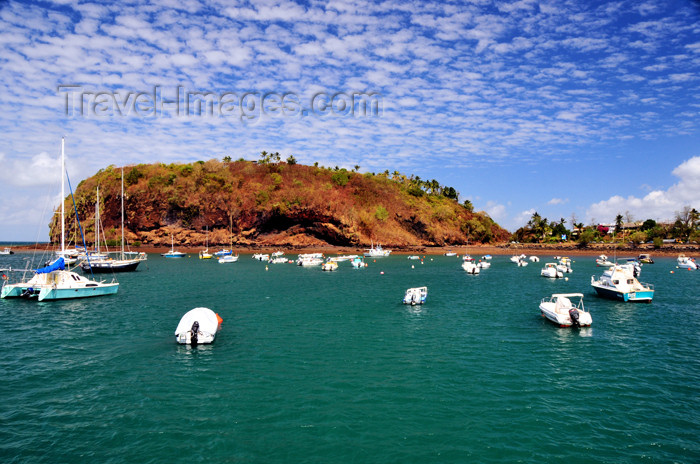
{"type": "Point", "coordinates": [276, 204]}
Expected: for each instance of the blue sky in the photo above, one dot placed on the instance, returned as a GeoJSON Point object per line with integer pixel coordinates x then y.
{"type": "Point", "coordinates": [561, 107]}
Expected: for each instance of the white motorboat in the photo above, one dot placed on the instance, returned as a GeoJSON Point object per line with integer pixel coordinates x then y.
{"type": "Point", "coordinates": [562, 311]}
{"type": "Point", "coordinates": [632, 266]}
{"type": "Point", "coordinates": [517, 259]}
{"type": "Point", "coordinates": [341, 258]}
{"type": "Point", "coordinates": [645, 258]}
{"type": "Point", "coordinates": [223, 252]}
{"type": "Point", "coordinates": [602, 260]}
{"type": "Point", "coordinates": [415, 296]}
{"type": "Point", "coordinates": [522, 263]}
{"type": "Point", "coordinates": [329, 266]}
{"type": "Point", "coordinates": [469, 265]}
{"type": "Point", "coordinates": [618, 283]}
{"type": "Point", "coordinates": [450, 253]}
{"type": "Point", "coordinates": [197, 327]}
{"type": "Point", "coordinates": [7, 251]}
{"type": "Point", "coordinates": [483, 264]}
{"type": "Point", "coordinates": [551, 271]}
{"type": "Point", "coordinates": [413, 257]}
{"type": "Point", "coordinates": [377, 251]}
{"type": "Point", "coordinates": [261, 256]}
{"type": "Point", "coordinates": [358, 263]}
{"type": "Point", "coordinates": [486, 257]}
{"type": "Point", "coordinates": [228, 259]}
{"type": "Point", "coordinates": [309, 261]}
{"type": "Point", "coordinates": [534, 259]}
{"type": "Point", "coordinates": [684, 262]}
{"type": "Point", "coordinates": [564, 265]}
{"type": "Point", "coordinates": [279, 260]}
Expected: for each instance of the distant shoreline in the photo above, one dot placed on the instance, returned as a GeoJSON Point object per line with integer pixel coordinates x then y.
{"type": "Point", "coordinates": [564, 249]}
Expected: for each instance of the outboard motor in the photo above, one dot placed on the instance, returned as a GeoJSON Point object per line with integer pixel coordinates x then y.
{"type": "Point", "coordinates": [573, 314]}
{"type": "Point", "coordinates": [28, 292]}
{"type": "Point", "coordinates": [194, 330]}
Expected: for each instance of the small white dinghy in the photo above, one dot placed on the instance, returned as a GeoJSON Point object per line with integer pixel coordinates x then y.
{"type": "Point", "coordinates": [198, 326]}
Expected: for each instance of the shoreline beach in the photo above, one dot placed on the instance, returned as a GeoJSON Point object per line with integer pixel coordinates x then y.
{"type": "Point", "coordinates": [564, 249]}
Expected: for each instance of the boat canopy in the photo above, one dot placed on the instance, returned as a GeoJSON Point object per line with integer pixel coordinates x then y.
{"type": "Point", "coordinates": [57, 265]}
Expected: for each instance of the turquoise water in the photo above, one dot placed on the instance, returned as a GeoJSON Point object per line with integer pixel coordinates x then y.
{"type": "Point", "coordinates": [315, 367]}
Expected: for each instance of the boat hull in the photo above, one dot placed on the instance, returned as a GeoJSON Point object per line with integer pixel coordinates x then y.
{"type": "Point", "coordinates": [107, 267]}
{"type": "Point", "coordinates": [610, 293]}
{"type": "Point", "coordinates": [51, 293]}
{"type": "Point", "coordinates": [78, 292]}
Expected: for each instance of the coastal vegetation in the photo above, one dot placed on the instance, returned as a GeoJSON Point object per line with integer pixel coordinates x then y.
{"type": "Point", "coordinates": [275, 201]}
{"type": "Point", "coordinates": [684, 229]}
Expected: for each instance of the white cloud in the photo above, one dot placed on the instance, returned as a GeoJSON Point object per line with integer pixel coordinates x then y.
{"type": "Point", "coordinates": [497, 211]}
{"type": "Point", "coordinates": [558, 201]}
{"type": "Point", "coordinates": [39, 170]}
{"type": "Point", "coordinates": [657, 204]}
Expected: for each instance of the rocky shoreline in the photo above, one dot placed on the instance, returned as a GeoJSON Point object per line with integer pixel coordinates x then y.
{"type": "Point", "coordinates": [563, 249]}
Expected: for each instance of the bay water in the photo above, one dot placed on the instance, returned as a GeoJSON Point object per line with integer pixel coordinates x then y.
{"type": "Point", "coordinates": [330, 367]}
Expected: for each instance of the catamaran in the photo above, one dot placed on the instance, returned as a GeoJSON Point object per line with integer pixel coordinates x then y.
{"type": "Point", "coordinates": [55, 282]}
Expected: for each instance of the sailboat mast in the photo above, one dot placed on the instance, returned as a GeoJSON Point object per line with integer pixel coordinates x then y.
{"type": "Point", "coordinates": [63, 195]}
{"type": "Point", "coordinates": [122, 255]}
{"type": "Point", "coordinates": [97, 221]}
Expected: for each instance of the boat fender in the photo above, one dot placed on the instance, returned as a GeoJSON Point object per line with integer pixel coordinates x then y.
{"type": "Point", "coordinates": [195, 330]}
{"type": "Point", "coordinates": [573, 314]}
{"type": "Point", "coordinates": [218, 318]}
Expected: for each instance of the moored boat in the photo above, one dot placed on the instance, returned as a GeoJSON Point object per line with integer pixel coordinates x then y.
{"type": "Point", "coordinates": [469, 265]}
{"type": "Point", "coordinates": [228, 259]}
{"type": "Point", "coordinates": [602, 260]}
{"type": "Point", "coordinates": [377, 251]}
{"type": "Point", "coordinates": [329, 266]}
{"type": "Point", "coordinates": [562, 311]}
{"type": "Point", "coordinates": [198, 326]}
{"type": "Point", "coordinates": [55, 282]}
{"type": "Point", "coordinates": [415, 296]}
{"type": "Point", "coordinates": [684, 262]}
{"type": "Point", "coordinates": [645, 258]}
{"type": "Point", "coordinates": [551, 271]}
{"type": "Point", "coordinates": [618, 283]}
{"type": "Point", "coordinates": [173, 253]}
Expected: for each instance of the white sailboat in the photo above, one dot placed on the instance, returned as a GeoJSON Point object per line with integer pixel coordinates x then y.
{"type": "Point", "coordinates": [108, 264]}
{"type": "Point", "coordinates": [173, 253]}
{"type": "Point", "coordinates": [55, 282]}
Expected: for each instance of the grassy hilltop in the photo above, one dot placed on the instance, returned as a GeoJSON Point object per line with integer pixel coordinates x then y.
{"type": "Point", "coordinates": [274, 203]}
